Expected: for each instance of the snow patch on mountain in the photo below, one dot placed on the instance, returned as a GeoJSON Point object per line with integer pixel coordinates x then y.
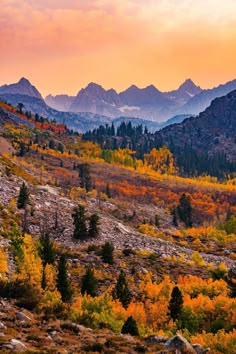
{"type": "Point", "coordinates": [129, 108]}
{"type": "Point", "coordinates": [190, 94]}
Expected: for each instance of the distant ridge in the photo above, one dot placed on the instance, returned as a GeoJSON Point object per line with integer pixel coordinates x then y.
{"type": "Point", "coordinates": [212, 132]}
{"type": "Point", "coordinates": [22, 87]}
{"type": "Point", "coordinates": [147, 103]}
{"type": "Point", "coordinates": [201, 101]}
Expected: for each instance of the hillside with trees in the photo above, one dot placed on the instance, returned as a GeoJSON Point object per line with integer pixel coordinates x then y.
{"type": "Point", "coordinates": [203, 145]}
{"type": "Point", "coordinates": [106, 246]}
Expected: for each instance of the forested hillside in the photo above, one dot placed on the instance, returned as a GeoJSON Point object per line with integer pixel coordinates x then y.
{"type": "Point", "coordinates": [106, 247]}
{"type": "Point", "coordinates": [203, 145]}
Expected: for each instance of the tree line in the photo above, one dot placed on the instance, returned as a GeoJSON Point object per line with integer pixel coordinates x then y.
{"type": "Point", "coordinates": [189, 161]}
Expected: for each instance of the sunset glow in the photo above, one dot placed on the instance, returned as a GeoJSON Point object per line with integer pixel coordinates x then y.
{"type": "Point", "coordinates": [62, 45]}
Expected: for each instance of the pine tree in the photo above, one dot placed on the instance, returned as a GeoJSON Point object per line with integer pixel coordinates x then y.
{"type": "Point", "coordinates": [184, 210]}
{"type": "Point", "coordinates": [63, 284]}
{"type": "Point", "coordinates": [51, 144]}
{"type": "Point", "coordinates": [175, 304]}
{"type": "Point", "coordinates": [80, 230]}
{"type": "Point", "coordinates": [108, 192]}
{"type": "Point", "coordinates": [93, 225]}
{"type": "Point", "coordinates": [157, 221]}
{"type": "Point", "coordinates": [130, 327]}
{"type": "Point", "coordinates": [43, 281]}
{"type": "Point", "coordinates": [20, 107]}
{"type": "Point", "coordinates": [89, 283]}
{"type": "Point", "coordinates": [22, 150]}
{"type": "Point", "coordinates": [84, 175]}
{"type": "Point", "coordinates": [60, 148]}
{"type": "Point", "coordinates": [107, 253]}
{"type": "Point", "coordinates": [121, 291]}
{"type": "Point", "coordinates": [23, 197]}
{"type": "Point", "coordinates": [112, 129]}
{"type": "Point", "coordinates": [47, 251]}
{"type": "Point", "coordinates": [174, 215]}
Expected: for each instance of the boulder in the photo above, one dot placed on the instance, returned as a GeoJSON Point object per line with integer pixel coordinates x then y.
{"type": "Point", "coordinates": [22, 317]}
{"type": "Point", "coordinates": [2, 326]}
{"type": "Point", "coordinates": [18, 345]}
{"type": "Point", "coordinates": [180, 345]}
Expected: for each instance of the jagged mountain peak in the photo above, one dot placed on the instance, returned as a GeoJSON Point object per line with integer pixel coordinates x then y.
{"type": "Point", "coordinates": [132, 88]}
{"type": "Point", "coordinates": [93, 89]}
{"type": "Point", "coordinates": [112, 91]}
{"type": "Point", "coordinates": [22, 87]}
{"type": "Point", "coordinates": [148, 89]}
{"type": "Point", "coordinates": [151, 89]}
{"type": "Point", "coordinates": [23, 80]}
{"type": "Point", "coordinates": [189, 86]}
{"type": "Point", "coordinates": [94, 85]}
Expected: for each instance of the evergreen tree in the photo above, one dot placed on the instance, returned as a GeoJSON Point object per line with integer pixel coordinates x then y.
{"type": "Point", "coordinates": [43, 281]}
{"type": "Point", "coordinates": [130, 327]}
{"type": "Point", "coordinates": [175, 304]}
{"type": "Point", "coordinates": [23, 197]}
{"type": "Point", "coordinates": [22, 150]}
{"type": "Point", "coordinates": [93, 225]}
{"type": "Point", "coordinates": [8, 171]}
{"type": "Point", "coordinates": [108, 192]}
{"type": "Point", "coordinates": [60, 148]}
{"type": "Point", "coordinates": [89, 283]}
{"type": "Point", "coordinates": [121, 291]}
{"type": "Point", "coordinates": [84, 175]}
{"type": "Point", "coordinates": [20, 107]}
{"type": "Point", "coordinates": [112, 129]}
{"type": "Point", "coordinates": [63, 284]}
{"type": "Point", "coordinates": [184, 210]}
{"type": "Point", "coordinates": [47, 251]}
{"type": "Point", "coordinates": [157, 221]}
{"type": "Point", "coordinates": [174, 216]}
{"type": "Point", "coordinates": [51, 144]}
{"type": "Point", "coordinates": [80, 230]}
{"type": "Point", "coordinates": [107, 253]}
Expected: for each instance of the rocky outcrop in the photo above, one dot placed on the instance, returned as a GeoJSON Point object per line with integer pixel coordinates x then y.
{"type": "Point", "coordinates": [179, 345]}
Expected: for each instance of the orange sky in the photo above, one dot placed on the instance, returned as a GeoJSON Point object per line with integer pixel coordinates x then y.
{"type": "Point", "coordinates": [62, 45]}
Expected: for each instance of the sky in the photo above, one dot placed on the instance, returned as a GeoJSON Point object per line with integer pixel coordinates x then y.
{"type": "Point", "coordinates": [62, 45]}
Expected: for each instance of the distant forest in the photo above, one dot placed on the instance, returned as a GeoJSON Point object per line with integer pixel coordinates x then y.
{"type": "Point", "coordinates": [189, 161]}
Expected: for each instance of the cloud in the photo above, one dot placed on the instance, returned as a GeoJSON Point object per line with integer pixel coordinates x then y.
{"type": "Point", "coordinates": [123, 41]}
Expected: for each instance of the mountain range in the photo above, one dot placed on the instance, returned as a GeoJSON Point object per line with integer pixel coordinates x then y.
{"type": "Point", "coordinates": [94, 105]}
{"type": "Point", "coordinates": [146, 103]}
